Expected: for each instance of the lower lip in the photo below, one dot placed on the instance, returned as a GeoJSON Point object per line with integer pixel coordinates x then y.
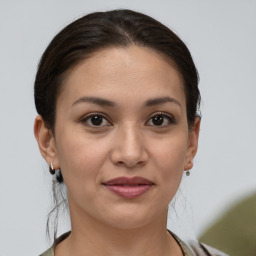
{"type": "Point", "coordinates": [129, 191]}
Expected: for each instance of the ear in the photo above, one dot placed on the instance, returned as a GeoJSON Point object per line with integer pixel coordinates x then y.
{"type": "Point", "coordinates": [46, 142]}
{"type": "Point", "coordinates": [192, 143]}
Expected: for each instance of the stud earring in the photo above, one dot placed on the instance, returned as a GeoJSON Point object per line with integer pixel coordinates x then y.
{"type": "Point", "coordinates": [51, 169]}
{"type": "Point", "coordinates": [188, 169]}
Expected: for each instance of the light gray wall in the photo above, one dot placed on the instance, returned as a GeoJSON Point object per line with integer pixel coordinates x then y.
{"type": "Point", "coordinates": [221, 36]}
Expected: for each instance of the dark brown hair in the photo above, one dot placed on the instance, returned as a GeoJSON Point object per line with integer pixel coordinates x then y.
{"type": "Point", "coordinates": [98, 30]}
{"type": "Point", "coordinates": [81, 38]}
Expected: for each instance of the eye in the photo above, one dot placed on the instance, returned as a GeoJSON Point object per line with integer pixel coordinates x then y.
{"type": "Point", "coordinates": [161, 120]}
{"type": "Point", "coordinates": [95, 120]}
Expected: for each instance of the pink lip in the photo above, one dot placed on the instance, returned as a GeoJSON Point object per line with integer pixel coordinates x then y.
{"type": "Point", "coordinates": [129, 187]}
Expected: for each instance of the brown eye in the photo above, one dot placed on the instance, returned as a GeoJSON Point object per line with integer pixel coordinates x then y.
{"type": "Point", "coordinates": [160, 120]}
{"type": "Point", "coordinates": [96, 120]}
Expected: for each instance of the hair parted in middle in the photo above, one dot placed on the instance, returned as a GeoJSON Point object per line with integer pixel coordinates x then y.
{"type": "Point", "coordinates": [117, 28]}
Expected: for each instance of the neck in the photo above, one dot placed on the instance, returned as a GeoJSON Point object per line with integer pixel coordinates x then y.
{"type": "Point", "coordinates": [91, 237]}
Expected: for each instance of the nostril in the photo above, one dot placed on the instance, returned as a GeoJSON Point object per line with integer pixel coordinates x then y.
{"type": "Point", "coordinates": [120, 163]}
{"type": "Point", "coordinates": [130, 164]}
{"type": "Point", "coordinates": [124, 157]}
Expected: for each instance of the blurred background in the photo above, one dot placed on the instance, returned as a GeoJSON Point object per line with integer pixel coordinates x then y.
{"type": "Point", "coordinates": [235, 231]}
{"type": "Point", "coordinates": [217, 201]}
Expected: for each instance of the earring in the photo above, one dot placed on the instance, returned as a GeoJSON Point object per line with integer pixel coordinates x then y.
{"type": "Point", "coordinates": [51, 169]}
{"type": "Point", "coordinates": [188, 169]}
{"type": "Point", "coordinates": [59, 176]}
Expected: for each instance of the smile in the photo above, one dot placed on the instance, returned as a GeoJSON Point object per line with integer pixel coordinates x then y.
{"type": "Point", "coordinates": [129, 187]}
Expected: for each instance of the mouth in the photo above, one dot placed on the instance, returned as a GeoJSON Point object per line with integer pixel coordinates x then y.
{"type": "Point", "coordinates": [127, 187]}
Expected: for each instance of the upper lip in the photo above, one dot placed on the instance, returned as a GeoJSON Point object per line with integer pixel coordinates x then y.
{"type": "Point", "coordinates": [128, 181]}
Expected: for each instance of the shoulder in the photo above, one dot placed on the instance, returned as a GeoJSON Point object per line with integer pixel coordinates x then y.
{"type": "Point", "coordinates": [202, 249]}
{"type": "Point", "coordinates": [195, 248]}
{"type": "Point", "coordinates": [49, 252]}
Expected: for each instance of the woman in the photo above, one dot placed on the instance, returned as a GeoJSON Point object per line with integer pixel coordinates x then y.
{"type": "Point", "coordinates": [117, 97]}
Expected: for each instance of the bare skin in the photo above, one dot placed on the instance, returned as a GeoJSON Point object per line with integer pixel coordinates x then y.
{"type": "Point", "coordinates": [120, 135]}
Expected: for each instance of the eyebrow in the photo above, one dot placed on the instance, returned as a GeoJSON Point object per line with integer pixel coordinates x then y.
{"type": "Point", "coordinates": [162, 100]}
{"type": "Point", "coordinates": [108, 103]}
{"type": "Point", "coordinates": [95, 100]}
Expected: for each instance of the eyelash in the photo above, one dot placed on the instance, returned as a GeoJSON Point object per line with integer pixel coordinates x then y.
{"type": "Point", "coordinates": [86, 118]}
{"type": "Point", "coordinates": [170, 119]}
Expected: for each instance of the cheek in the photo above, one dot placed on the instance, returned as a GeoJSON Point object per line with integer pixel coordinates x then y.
{"type": "Point", "coordinates": [80, 158]}
{"type": "Point", "coordinates": [171, 151]}
{"type": "Point", "coordinates": [169, 157]}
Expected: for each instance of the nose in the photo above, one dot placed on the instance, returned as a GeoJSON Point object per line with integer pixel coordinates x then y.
{"type": "Point", "coordinates": [129, 148]}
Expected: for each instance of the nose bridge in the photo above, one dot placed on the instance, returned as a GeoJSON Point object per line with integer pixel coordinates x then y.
{"type": "Point", "coordinates": [131, 138]}
{"type": "Point", "coordinates": [130, 149]}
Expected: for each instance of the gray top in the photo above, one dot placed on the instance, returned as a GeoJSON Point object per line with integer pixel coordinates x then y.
{"type": "Point", "coordinates": [192, 248]}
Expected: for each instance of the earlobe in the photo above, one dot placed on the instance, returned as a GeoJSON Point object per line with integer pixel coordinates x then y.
{"type": "Point", "coordinates": [45, 140]}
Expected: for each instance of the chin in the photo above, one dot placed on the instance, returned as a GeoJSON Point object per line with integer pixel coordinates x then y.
{"type": "Point", "coordinates": [131, 218]}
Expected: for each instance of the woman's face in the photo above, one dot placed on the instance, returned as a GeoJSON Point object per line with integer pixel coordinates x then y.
{"type": "Point", "coordinates": [121, 136]}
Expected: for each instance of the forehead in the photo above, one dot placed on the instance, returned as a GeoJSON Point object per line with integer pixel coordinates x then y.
{"type": "Point", "coordinates": [124, 73]}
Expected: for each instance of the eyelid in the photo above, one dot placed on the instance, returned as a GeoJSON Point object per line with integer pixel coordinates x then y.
{"type": "Point", "coordinates": [169, 116]}
{"type": "Point", "coordinates": [164, 114]}
{"type": "Point", "coordinates": [86, 117]}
